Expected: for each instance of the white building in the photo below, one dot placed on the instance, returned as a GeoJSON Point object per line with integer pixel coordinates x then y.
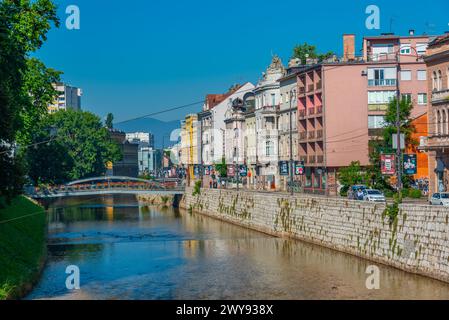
{"type": "Point", "coordinates": [146, 138]}
{"type": "Point", "coordinates": [213, 125]}
{"type": "Point", "coordinates": [68, 98]}
{"type": "Point", "coordinates": [267, 99]}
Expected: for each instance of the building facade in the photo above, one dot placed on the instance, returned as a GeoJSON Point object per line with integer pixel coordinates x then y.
{"type": "Point", "coordinates": [288, 123]}
{"type": "Point", "coordinates": [267, 101]}
{"type": "Point", "coordinates": [342, 103]}
{"type": "Point", "coordinates": [437, 61]}
{"type": "Point", "coordinates": [68, 98]}
{"type": "Point", "coordinates": [128, 165]}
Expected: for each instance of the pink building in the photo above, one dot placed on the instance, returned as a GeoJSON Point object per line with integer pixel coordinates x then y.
{"type": "Point", "coordinates": [341, 103]}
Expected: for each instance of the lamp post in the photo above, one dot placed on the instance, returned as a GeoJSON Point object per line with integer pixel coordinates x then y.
{"type": "Point", "coordinates": [291, 144]}
{"type": "Point", "coordinates": [398, 122]}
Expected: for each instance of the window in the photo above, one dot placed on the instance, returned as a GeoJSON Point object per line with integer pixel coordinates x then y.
{"type": "Point", "coordinates": [381, 51]}
{"type": "Point", "coordinates": [406, 75]}
{"type": "Point", "coordinates": [421, 75]}
{"type": "Point", "coordinates": [421, 48]}
{"type": "Point", "coordinates": [382, 76]}
{"type": "Point", "coordinates": [407, 97]}
{"type": "Point", "coordinates": [422, 98]}
{"type": "Point", "coordinates": [376, 122]}
{"type": "Point", "coordinates": [378, 97]}
{"type": "Point", "coordinates": [273, 99]}
{"type": "Point", "coordinates": [405, 48]}
{"type": "Point", "coordinates": [269, 148]}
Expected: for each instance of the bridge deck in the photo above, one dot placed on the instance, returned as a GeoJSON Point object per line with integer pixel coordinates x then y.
{"type": "Point", "coordinates": [104, 192]}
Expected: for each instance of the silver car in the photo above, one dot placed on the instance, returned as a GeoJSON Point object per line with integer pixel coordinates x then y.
{"type": "Point", "coordinates": [440, 199]}
{"type": "Point", "coordinates": [373, 195]}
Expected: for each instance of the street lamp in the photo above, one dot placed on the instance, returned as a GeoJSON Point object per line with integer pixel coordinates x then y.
{"type": "Point", "coordinates": [398, 122]}
{"type": "Point", "coordinates": [291, 143]}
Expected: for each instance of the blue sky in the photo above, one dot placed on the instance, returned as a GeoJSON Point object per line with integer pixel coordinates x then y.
{"type": "Point", "coordinates": [140, 56]}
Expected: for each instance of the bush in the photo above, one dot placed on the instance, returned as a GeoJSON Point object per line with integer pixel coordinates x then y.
{"type": "Point", "coordinates": [389, 193]}
{"type": "Point", "coordinates": [344, 191]}
{"type": "Point", "coordinates": [197, 188]}
{"type": "Point", "coordinates": [405, 193]}
{"type": "Point", "coordinates": [415, 194]}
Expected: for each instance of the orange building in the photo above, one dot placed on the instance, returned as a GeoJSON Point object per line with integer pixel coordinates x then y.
{"type": "Point", "coordinates": [420, 124]}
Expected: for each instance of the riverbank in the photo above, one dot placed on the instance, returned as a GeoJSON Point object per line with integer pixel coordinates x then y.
{"type": "Point", "coordinates": [22, 246]}
{"type": "Point", "coordinates": [416, 241]}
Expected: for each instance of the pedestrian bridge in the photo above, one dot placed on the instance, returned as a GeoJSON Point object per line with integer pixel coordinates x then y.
{"type": "Point", "coordinates": [109, 185]}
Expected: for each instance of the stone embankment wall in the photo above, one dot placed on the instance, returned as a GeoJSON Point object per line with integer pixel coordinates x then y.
{"type": "Point", "coordinates": [416, 241]}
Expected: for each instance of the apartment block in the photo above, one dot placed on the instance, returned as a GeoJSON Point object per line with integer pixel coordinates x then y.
{"type": "Point", "coordinates": [68, 98]}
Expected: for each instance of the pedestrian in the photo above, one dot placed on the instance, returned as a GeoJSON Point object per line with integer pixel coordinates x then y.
{"type": "Point", "coordinates": [359, 194]}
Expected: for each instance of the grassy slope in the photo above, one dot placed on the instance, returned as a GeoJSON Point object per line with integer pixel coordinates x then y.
{"type": "Point", "coordinates": [22, 245]}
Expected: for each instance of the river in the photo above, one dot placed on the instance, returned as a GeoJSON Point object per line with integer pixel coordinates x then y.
{"type": "Point", "coordinates": [129, 251]}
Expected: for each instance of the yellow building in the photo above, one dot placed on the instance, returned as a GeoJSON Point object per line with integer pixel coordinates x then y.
{"type": "Point", "coordinates": [190, 142]}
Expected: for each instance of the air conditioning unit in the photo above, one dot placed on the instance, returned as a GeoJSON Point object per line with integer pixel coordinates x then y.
{"type": "Point", "coordinates": [364, 73]}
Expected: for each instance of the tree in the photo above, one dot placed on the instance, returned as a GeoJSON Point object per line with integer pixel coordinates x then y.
{"type": "Point", "coordinates": [40, 92]}
{"type": "Point", "coordinates": [222, 168]}
{"type": "Point", "coordinates": [305, 51]}
{"type": "Point", "coordinates": [81, 148]}
{"type": "Point", "coordinates": [385, 144]}
{"type": "Point", "coordinates": [23, 28]}
{"type": "Point", "coordinates": [109, 121]}
{"type": "Point", "coordinates": [352, 175]}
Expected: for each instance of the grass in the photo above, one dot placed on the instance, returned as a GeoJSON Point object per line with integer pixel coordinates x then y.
{"type": "Point", "coordinates": [22, 246]}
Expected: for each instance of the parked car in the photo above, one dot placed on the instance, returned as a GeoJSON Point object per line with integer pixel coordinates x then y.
{"type": "Point", "coordinates": [352, 192]}
{"type": "Point", "coordinates": [440, 199]}
{"type": "Point", "coordinates": [373, 195]}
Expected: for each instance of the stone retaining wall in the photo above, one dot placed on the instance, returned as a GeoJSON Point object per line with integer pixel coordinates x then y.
{"type": "Point", "coordinates": [417, 241]}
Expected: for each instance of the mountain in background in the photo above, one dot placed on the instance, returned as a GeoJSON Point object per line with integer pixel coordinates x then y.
{"type": "Point", "coordinates": [160, 129]}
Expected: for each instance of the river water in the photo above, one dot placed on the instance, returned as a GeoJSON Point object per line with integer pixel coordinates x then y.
{"type": "Point", "coordinates": [129, 251]}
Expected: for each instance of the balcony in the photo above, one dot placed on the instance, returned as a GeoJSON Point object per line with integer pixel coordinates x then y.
{"type": "Point", "coordinates": [440, 96]}
{"type": "Point", "coordinates": [302, 90]}
{"type": "Point", "coordinates": [302, 113]}
{"type": "Point", "coordinates": [320, 159]}
{"type": "Point", "coordinates": [310, 88]}
{"type": "Point", "coordinates": [319, 134]}
{"type": "Point", "coordinates": [319, 85]}
{"type": "Point", "coordinates": [383, 57]}
{"type": "Point", "coordinates": [270, 109]}
{"type": "Point", "coordinates": [377, 107]}
{"type": "Point", "coordinates": [319, 110]}
{"type": "Point", "coordinates": [381, 82]}
{"type": "Point", "coordinates": [303, 159]}
{"type": "Point", "coordinates": [312, 159]}
{"type": "Point", "coordinates": [311, 111]}
{"type": "Point", "coordinates": [302, 136]}
{"type": "Point", "coordinates": [311, 134]}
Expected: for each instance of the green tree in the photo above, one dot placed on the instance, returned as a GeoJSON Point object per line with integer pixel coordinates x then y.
{"type": "Point", "coordinates": [23, 28]}
{"type": "Point", "coordinates": [40, 92]}
{"type": "Point", "coordinates": [81, 148]}
{"type": "Point", "coordinates": [222, 168]}
{"type": "Point", "coordinates": [385, 144]}
{"type": "Point", "coordinates": [109, 121]}
{"type": "Point", "coordinates": [305, 50]}
{"type": "Point", "coordinates": [351, 175]}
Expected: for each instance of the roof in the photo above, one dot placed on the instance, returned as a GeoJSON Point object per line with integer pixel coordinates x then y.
{"type": "Point", "coordinates": [439, 40]}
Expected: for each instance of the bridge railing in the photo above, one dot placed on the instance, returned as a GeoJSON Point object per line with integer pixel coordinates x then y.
{"type": "Point", "coordinates": [110, 185]}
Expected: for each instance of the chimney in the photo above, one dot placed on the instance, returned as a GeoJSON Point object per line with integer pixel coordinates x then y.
{"type": "Point", "coordinates": [348, 47]}
{"type": "Point", "coordinates": [411, 32]}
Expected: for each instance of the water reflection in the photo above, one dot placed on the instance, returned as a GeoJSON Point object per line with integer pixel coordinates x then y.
{"type": "Point", "coordinates": [126, 251]}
